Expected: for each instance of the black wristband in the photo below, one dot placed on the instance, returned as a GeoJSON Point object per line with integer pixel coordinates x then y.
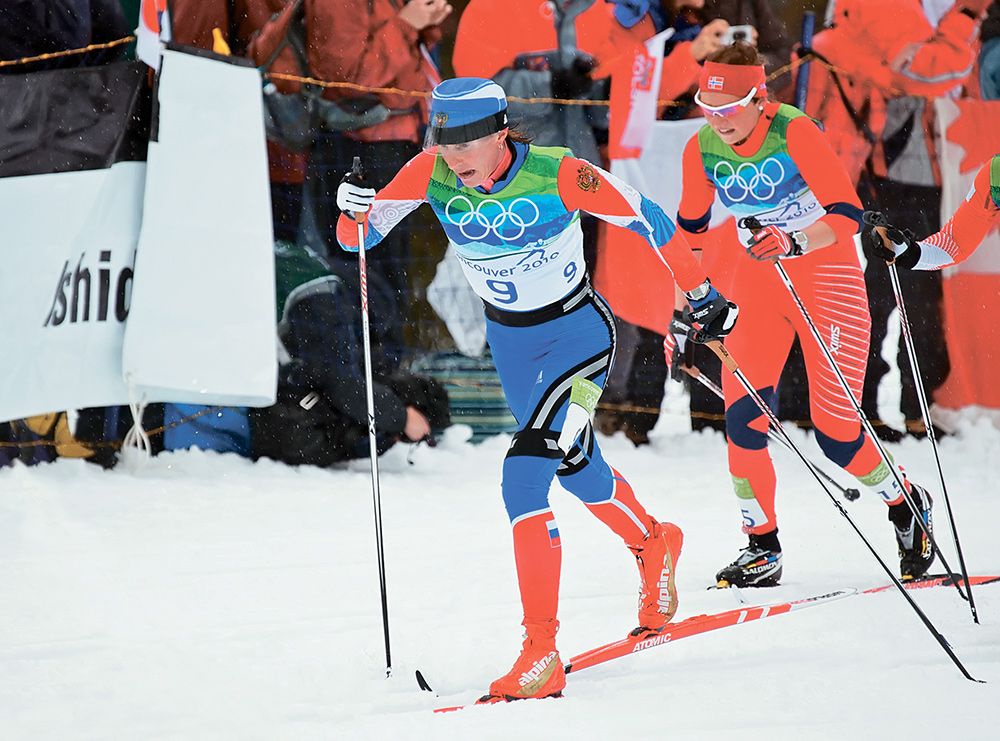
{"type": "Point", "coordinates": [971, 13]}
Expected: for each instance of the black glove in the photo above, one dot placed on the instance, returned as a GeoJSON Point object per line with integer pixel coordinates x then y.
{"type": "Point", "coordinates": [574, 82]}
{"type": "Point", "coordinates": [714, 315]}
{"type": "Point", "coordinates": [425, 393]}
{"type": "Point", "coordinates": [905, 249]}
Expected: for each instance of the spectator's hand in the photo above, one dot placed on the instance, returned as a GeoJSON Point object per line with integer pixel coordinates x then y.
{"type": "Point", "coordinates": [709, 40]}
{"type": "Point", "coordinates": [417, 426]}
{"type": "Point", "coordinates": [354, 198]}
{"type": "Point", "coordinates": [422, 14]}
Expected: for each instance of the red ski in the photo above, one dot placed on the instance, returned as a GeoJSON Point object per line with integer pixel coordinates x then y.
{"type": "Point", "coordinates": [691, 626]}
{"type": "Point", "coordinates": [705, 623]}
{"type": "Point", "coordinates": [937, 580]}
{"type": "Point", "coordinates": [694, 626]}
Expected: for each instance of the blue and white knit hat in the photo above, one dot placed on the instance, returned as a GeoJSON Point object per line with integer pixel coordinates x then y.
{"type": "Point", "coordinates": [465, 109]}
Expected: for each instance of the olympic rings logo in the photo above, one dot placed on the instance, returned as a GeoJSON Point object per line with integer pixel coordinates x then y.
{"type": "Point", "coordinates": [486, 223]}
{"type": "Point", "coordinates": [747, 179]}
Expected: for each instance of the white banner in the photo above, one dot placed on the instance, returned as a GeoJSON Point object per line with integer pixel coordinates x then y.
{"type": "Point", "coordinates": [65, 287]}
{"type": "Point", "coordinates": [202, 325]}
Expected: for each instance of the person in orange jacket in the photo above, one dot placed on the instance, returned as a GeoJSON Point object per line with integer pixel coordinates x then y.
{"type": "Point", "coordinates": [881, 63]}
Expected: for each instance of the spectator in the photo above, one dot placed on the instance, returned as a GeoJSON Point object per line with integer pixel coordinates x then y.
{"type": "Point", "coordinates": [798, 205]}
{"type": "Point", "coordinates": [321, 414]}
{"type": "Point", "coordinates": [375, 44]}
{"type": "Point", "coordinates": [989, 55]}
{"type": "Point", "coordinates": [771, 37]}
{"type": "Point", "coordinates": [890, 60]}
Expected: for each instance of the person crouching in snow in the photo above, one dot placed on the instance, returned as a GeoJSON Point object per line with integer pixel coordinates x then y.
{"type": "Point", "coordinates": [511, 211]}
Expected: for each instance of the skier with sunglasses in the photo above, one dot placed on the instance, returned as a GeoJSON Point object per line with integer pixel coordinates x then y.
{"type": "Point", "coordinates": [772, 162]}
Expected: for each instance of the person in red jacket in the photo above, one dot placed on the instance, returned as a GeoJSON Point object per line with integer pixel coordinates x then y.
{"type": "Point", "coordinates": [882, 64]}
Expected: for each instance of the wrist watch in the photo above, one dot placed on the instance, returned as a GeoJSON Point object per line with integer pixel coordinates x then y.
{"type": "Point", "coordinates": [697, 294]}
{"type": "Point", "coordinates": [801, 242]}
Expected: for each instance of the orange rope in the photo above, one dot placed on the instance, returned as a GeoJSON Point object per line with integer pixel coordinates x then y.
{"type": "Point", "coordinates": [67, 53]}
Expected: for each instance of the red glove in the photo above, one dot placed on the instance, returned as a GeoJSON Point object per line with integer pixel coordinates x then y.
{"type": "Point", "coordinates": [675, 345]}
{"type": "Point", "coordinates": [771, 242]}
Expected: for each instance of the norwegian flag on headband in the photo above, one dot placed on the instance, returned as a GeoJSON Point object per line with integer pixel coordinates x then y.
{"type": "Point", "coordinates": [715, 83]}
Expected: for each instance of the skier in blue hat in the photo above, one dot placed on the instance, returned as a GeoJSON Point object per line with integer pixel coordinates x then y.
{"type": "Point", "coordinates": [511, 211]}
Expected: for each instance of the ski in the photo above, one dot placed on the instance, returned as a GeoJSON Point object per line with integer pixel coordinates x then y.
{"type": "Point", "coordinates": [936, 580]}
{"type": "Point", "coordinates": [694, 626]}
{"type": "Point", "coordinates": [745, 614]}
{"type": "Point", "coordinates": [691, 626]}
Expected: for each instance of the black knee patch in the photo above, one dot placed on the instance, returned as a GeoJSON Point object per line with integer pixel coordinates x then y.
{"type": "Point", "coordinates": [838, 451]}
{"type": "Point", "coordinates": [741, 414]}
{"type": "Point", "coordinates": [578, 457]}
{"type": "Point", "coordinates": [537, 443]}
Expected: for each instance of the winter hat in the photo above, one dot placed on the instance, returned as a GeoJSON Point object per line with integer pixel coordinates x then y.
{"type": "Point", "coordinates": [465, 109]}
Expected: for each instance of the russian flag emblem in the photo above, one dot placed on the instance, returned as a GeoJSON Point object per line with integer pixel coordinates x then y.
{"type": "Point", "coordinates": [553, 534]}
{"type": "Point", "coordinates": [715, 83]}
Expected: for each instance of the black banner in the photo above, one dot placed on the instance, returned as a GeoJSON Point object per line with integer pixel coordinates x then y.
{"type": "Point", "coordinates": [68, 120]}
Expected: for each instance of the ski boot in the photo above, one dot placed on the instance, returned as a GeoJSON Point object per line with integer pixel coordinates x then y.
{"type": "Point", "coordinates": [916, 552]}
{"type": "Point", "coordinates": [538, 671]}
{"type": "Point", "coordinates": [759, 565]}
{"type": "Point", "coordinates": [657, 558]}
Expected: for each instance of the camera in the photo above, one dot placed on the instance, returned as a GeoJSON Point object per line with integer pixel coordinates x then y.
{"type": "Point", "coordinates": [738, 33]}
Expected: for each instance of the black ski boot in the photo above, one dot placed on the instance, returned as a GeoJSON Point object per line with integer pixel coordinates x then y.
{"type": "Point", "coordinates": [759, 565]}
{"type": "Point", "coordinates": [916, 552]}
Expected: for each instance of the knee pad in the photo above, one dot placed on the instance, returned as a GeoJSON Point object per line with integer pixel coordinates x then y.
{"type": "Point", "coordinates": [538, 443]}
{"type": "Point", "coordinates": [838, 451]}
{"type": "Point", "coordinates": [581, 455]}
{"type": "Point", "coordinates": [739, 416]}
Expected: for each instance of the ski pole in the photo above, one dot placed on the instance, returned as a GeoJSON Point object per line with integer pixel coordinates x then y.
{"type": "Point", "coordinates": [751, 223]}
{"type": "Point", "coordinates": [372, 439]}
{"type": "Point", "coordinates": [851, 495]}
{"type": "Point", "coordinates": [877, 220]}
{"type": "Point", "coordinates": [719, 349]}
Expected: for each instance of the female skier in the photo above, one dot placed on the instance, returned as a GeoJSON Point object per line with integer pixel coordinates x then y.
{"type": "Point", "coordinates": [772, 162]}
{"type": "Point", "coordinates": [958, 239]}
{"type": "Point", "coordinates": [511, 211]}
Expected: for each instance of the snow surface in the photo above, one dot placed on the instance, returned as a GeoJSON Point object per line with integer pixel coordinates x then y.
{"type": "Point", "coordinates": [206, 597]}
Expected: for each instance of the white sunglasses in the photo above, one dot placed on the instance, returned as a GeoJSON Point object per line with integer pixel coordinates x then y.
{"type": "Point", "coordinates": [729, 109]}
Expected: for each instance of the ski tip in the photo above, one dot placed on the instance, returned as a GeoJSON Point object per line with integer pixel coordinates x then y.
{"type": "Point", "coordinates": [422, 683]}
